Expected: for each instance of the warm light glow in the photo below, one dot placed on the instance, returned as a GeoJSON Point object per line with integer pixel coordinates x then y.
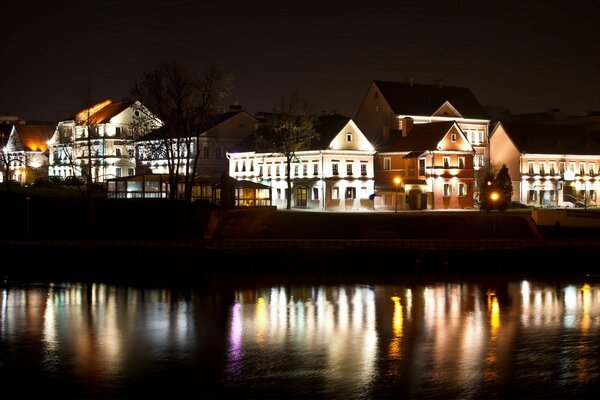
{"type": "Point", "coordinates": [494, 196]}
{"type": "Point", "coordinates": [397, 180]}
{"type": "Point", "coordinates": [84, 115]}
{"type": "Point", "coordinates": [394, 351]}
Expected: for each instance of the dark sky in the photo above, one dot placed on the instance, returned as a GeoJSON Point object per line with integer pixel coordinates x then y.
{"type": "Point", "coordinates": [527, 55]}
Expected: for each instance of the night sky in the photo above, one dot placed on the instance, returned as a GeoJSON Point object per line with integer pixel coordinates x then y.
{"type": "Point", "coordinates": [525, 55]}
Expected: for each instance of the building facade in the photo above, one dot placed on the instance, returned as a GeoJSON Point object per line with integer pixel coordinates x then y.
{"type": "Point", "coordinates": [425, 166]}
{"type": "Point", "coordinates": [102, 135]}
{"type": "Point", "coordinates": [333, 173]}
{"type": "Point", "coordinates": [227, 131]}
{"type": "Point", "coordinates": [26, 153]}
{"type": "Point", "coordinates": [549, 165]}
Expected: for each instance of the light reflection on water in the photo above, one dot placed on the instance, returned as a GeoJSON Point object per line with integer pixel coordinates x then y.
{"type": "Point", "coordinates": [457, 340]}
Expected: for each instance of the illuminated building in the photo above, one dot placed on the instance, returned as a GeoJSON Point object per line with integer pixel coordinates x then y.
{"type": "Point", "coordinates": [101, 135]}
{"type": "Point", "coordinates": [26, 151]}
{"type": "Point", "coordinates": [333, 173]}
{"type": "Point", "coordinates": [226, 131]}
{"type": "Point", "coordinates": [393, 109]}
{"type": "Point", "coordinates": [435, 164]}
{"type": "Point", "coordinates": [549, 165]}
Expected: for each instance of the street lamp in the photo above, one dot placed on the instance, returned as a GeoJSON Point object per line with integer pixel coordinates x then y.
{"type": "Point", "coordinates": [397, 181]}
{"type": "Point", "coordinates": [494, 196]}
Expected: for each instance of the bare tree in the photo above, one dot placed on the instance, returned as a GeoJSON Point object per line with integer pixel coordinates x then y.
{"type": "Point", "coordinates": [186, 104]}
{"type": "Point", "coordinates": [290, 128]}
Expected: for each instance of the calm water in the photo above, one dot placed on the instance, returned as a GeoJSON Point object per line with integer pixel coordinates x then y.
{"type": "Point", "coordinates": [519, 339]}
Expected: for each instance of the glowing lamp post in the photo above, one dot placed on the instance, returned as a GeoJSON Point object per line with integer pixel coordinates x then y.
{"type": "Point", "coordinates": [494, 196]}
{"type": "Point", "coordinates": [397, 181]}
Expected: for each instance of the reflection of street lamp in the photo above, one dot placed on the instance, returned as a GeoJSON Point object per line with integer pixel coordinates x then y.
{"type": "Point", "coordinates": [494, 197]}
{"type": "Point", "coordinates": [397, 181]}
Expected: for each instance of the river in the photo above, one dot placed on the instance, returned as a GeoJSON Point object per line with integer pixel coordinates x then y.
{"type": "Point", "coordinates": [472, 339]}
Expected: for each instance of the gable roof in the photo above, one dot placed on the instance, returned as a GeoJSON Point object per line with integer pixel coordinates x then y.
{"type": "Point", "coordinates": [327, 126]}
{"type": "Point", "coordinates": [421, 137]}
{"type": "Point", "coordinates": [217, 119]}
{"type": "Point", "coordinates": [550, 139]}
{"type": "Point", "coordinates": [102, 112]}
{"type": "Point", "coordinates": [34, 137]}
{"type": "Point", "coordinates": [424, 100]}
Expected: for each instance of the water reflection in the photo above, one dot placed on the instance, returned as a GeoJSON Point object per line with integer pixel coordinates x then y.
{"type": "Point", "coordinates": [458, 340]}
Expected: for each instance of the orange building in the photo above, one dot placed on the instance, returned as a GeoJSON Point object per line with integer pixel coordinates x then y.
{"type": "Point", "coordinates": [425, 166]}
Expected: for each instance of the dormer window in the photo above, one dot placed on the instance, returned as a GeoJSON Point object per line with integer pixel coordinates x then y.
{"type": "Point", "coordinates": [348, 137]}
{"type": "Point", "coordinates": [453, 137]}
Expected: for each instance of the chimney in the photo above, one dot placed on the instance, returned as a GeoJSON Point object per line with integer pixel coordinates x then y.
{"type": "Point", "coordinates": [386, 133]}
{"type": "Point", "coordinates": [407, 124]}
{"type": "Point", "coordinates": [439, 83]}
{"type": "Point", "coordinates": [410, 80]}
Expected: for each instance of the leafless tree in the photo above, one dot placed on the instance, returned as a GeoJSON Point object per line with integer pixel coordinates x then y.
{"type": "Point", "coordinates": [185, 104]}
{"type": "Point", "coordinates": [290, 128]}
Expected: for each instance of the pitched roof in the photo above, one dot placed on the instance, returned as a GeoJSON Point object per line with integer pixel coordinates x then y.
{"type": "Point", "coordinates": [327, 126]}
{"type": "Point", "coordinates": [158, 134]}
{"type": "Point", "coordinates": [551, 139]}
{"type": "Point", "coordinates": [421, 137]}
{"type": "Point", "coordinates": [421, 99]}
{"type": "Point", "coordinates": [102, 112]}
{"type": "Point", "coordinates": [34, 137]}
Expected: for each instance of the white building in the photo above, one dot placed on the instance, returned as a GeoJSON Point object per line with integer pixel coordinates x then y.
{"type": "Point", "coordinates": [110, 126]}
{"type": "Point", "coordinates": [226, 132]}
{"type": "Point", "coordinates": [549, 165]}
{"type": "Point", "coordinates": [334, 173]}
{"type": "Point", "coordinates": [26, 151]}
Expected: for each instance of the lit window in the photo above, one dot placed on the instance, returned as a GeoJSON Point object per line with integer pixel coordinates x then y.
{"type": "Point", "coordinates": [349, 169]}
{"type": "Point", "coordinates": [461, 162]}
{"type": "Point", "coordinates": [552, 168]}
{"type": "Point", "coordinates": [363, 169]}
{"type": "Point", "coordinates": [351, 193]}
{"type": "Point", "coordinates": [447, 190]}
{"type": "Point", "coordinates": [462, 189]}
{"type": "Point", "coordinates": [532, 195]}
{"type": "Point", "coordinates": [591, 168]}
{"type": "Point", "coordinates": [387, 163]}
{"type": "Point", "coordinates": [542, 167]}
{"type": "Point", "coordinates": [446, 162]}
{"type": "Point", "coordinates": [582, 168]}
{"type": "Point", "coordinates": [530, 168]}
{"type": "Point", "coordinates": [561, 167]}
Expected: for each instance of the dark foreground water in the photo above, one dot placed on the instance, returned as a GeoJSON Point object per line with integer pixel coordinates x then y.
{"type": "Point", "coordinates": [464, 340]}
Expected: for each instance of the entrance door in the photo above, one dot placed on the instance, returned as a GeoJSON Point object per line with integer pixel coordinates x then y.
{"type": "Point", "coordinates": [301, 197]}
